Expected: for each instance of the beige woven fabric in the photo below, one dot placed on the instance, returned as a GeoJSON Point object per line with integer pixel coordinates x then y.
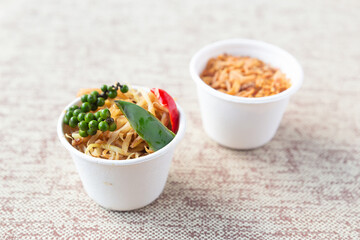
{"type": "Point", "coordinates": [304, 184]}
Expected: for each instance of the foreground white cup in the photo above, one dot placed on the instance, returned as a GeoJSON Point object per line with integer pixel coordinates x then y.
{"type": "Point", "coordinates": [123, 184]}
{"type": "Point", "coordinates": [240, 122]}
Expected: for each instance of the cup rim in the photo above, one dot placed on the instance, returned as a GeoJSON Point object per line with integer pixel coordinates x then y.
{"type": "Point", "coordinates": [179, 135]}
{"type": "Point", "coordinates": [237, 99]}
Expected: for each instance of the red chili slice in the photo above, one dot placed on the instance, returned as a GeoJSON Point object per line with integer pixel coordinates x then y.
{"type": "Point", "coordinates": [167, 101]}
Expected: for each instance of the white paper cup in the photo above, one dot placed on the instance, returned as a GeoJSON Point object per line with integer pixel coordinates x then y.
{"type": "Point", "coordinates": [240, 122]}
{"type": "Point", "coordinates": [123, 184]}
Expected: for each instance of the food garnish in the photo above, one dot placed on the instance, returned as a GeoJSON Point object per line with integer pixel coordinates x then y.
{"type": "Point", "coordinates": [167, 101]}
{"type": "Point", "coordinates": [146, 125]}
{"type": "Point", "coordinates": [87, 122]}
{"type": "Point", "coordinates": [244, 76]}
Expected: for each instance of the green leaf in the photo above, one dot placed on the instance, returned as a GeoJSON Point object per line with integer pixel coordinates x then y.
{"type": "Point", "coordinates": [146, 125]}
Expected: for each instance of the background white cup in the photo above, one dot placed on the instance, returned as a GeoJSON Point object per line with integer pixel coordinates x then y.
{"type": "Point", "coordinates": [123, 184]}
{"type": "Point", "coordinates": [240, 122]}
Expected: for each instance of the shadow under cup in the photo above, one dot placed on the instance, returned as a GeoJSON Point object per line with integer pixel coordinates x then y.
{"type": "Point", "coordinates": [240, 122]}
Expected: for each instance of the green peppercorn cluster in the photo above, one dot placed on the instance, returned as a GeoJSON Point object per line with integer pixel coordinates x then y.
{"type": "Point", "coordinates": [111, 91]}
{"type": "Point", "coordinates": [101, 120]}
{"type": "Point", "coordinates": [88, 122]}
{"type": "Point", "coordinates": [95, 100]}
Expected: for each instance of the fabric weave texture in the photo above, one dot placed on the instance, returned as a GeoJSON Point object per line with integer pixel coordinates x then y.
{"type": "Point", "coordinates": [304, 184]}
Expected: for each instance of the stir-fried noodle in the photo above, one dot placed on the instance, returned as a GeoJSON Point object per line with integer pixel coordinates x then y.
{"type": "Point", "coordinates": [124, 142]}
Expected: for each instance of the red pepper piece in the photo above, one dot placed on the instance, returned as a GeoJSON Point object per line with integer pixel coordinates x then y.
{"type": "Point", "coordinates": [167, 101]}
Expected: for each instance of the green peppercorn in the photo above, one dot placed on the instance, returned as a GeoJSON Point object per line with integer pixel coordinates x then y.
{"type": "Point", "coordinates": [95, 93]}
{"type": "Point", "coordinates": [69, 114]}
{"type": "Point", "coordinates": [92, 98]}
{"type": "Point", "coordinates": [98, 114]}
{"type": "Point", "coordinates": [83, 133]}
{"type": "Point", "coordinates": [100, 101]}
{"type": "Point", "coordinates": [83, 126]}
{"type": "Point", "coordinates": [124, 89]}
{"type": "Point", "coordinates": [112, 94]}
{"type": "Point", "coordinates": [111, 88]}
{"type": "Point", "coordinates": [73, 122]}
{"type": "Point", "coordinates": [89, 117]}
{"type": "Point", "coordinates": [112, 127]}
{"type": "Point", "coordinates": [103, 126]}
{"type": "Point", "coordinates": [105, 113]}
{"type": "Point", "coordinates": [93, 124]}
{"type": "Point", "coordinates": [91, 131]}
{"type": "Point", "coordinates": [66, 120]}
{"type": "Point", "coordinates": [104, 88]}
{"type": "Point", "coordinates": [85, 107]}
{"type": "Point", "coordinates": [81, 116]}
{"type": "Point", "coordinates": [84, 98]}
{"type": "Point", "coordinates": [73, 108]}
{"type": "Point", "coordinates": [76, 112]}
{"type": "Point", "coordinates": [93, 106]}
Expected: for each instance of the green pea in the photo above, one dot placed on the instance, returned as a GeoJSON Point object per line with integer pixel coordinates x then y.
{"type": "Point", "coordinates": [98, 114]}
{"type": "Point", "coordinates": [81, 116]}
{"type": "Point", "coordinates": [93, 124]}
{"type": "Point", "coordinates": [73, 122]}
{"type": "Point", "coordinates": [100, 101]}
{"type": "Point", "coordinates": [105, 113]}
{"type": "Point", "coordinates": [104, 88]}
{"type": "Point", "coordinates": [124, 89]}
{"type": "Point", "coordinates": [112, 94]}
{"type": "Point", "coordinates": [85, 107]}
{"type": "Point", "coordinates": [83, 126]}
{"type": "Point", "coordinates": [112, 127]}
{"type": "Point", "coordinates": [76, 112]}
{"type": "Point", "coordinates": [103, 126]}
{"type": "Point", "coordinates": [93, 106]}
{"type": "Point", "coordinates": [95, 93]}
{"type": "Point", "coordinates": [73, 108]}
{"type": "Point", "coordinates": [69, 114]}
{"type": "Point", "coordinates": [92, 131]}
{"type": "Point", "coordinates": [66, 120]}
{"type": "Point", "coordinates": [83, 133]}
{"type": "Point", "coordinates": [84, 98]}
{"type": "Point", "coordinates": [89, 117]}
{"type": "Point", "coordinates": [92, 98]}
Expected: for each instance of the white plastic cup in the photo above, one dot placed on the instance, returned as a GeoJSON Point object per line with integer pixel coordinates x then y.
{"type": "Point", "coordinates": [123, 185]}
{"type": "Point", "coordinates": [240, 122]}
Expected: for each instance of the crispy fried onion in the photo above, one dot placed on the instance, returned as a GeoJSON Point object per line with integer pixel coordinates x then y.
{"type": "Point", "coordinates": [244, 76]}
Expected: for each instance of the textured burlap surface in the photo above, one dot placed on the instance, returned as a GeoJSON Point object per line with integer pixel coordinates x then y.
{"type": "Point", "coordinates": [304, 184]}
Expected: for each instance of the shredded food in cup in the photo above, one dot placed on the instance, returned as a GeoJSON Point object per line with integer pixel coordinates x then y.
{"type": "Point", "coordinates": [244, 76]}
{"type": "Point", "coordinates": [124, 142]}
